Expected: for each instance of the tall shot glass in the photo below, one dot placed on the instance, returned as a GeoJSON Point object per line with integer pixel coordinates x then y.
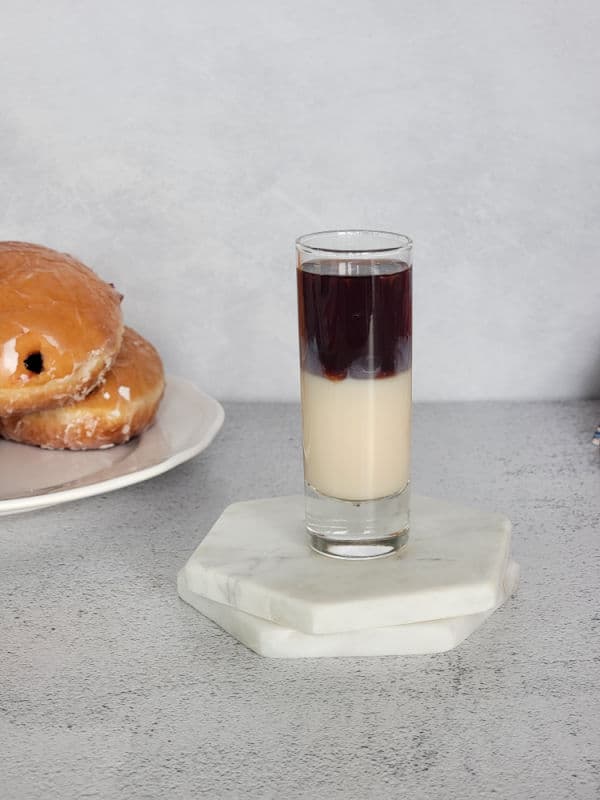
{"type": "Point", "coordinates": [355, 329]}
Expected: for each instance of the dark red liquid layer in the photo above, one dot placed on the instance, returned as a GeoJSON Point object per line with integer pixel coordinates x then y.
{"type": "Point", "coordinates": [357, 326]}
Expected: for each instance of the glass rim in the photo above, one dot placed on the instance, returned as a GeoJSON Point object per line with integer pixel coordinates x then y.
{"type": "Point", "coordinates": [402, 241]}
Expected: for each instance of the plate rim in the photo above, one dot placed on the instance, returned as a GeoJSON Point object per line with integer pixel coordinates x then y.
{"type": "Point", "coordinates": [15, 505]}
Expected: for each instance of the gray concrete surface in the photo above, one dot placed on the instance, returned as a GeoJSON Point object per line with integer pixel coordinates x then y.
{"type": "Point", "coordinates": [111, 687]}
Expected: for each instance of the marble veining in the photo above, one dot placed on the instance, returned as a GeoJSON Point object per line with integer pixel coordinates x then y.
{"type": "Point", "coordinates": [256, 559]}
{"type": "Point", "coordinates": [277, 641]}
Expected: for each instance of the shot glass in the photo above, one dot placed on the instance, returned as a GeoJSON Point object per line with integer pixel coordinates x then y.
{"type": "Point", "coordinates": [355, 330]}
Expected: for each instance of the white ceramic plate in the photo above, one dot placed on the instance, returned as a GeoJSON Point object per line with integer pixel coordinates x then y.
{"type": "Point", "coordinates": [30, 478]}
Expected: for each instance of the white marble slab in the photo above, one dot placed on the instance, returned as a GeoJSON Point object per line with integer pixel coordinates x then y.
{"type": "Point", "coordinates": [277, 641]}
{"type": "Point", "coordinates": [256, 559]}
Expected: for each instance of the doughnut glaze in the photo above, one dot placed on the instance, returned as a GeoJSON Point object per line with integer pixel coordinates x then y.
{"type": "Point", "coordinates": [119, 408]}
{"type": "Point", "coordinates": [60, 328]}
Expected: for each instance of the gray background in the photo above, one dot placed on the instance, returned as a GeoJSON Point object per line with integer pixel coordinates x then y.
{"type": "Point", "coordinates": [179, 148]}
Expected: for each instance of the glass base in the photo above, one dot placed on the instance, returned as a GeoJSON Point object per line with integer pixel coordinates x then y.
{"type": "Point", "coordinates": [355, 550]}
{"type": "Point", "coordinates": [357, 529]}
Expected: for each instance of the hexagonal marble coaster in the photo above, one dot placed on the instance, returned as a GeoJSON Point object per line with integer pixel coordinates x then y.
{"type": "Point", "coordinates": [256, 559]}
{"type": "Point", "coordinates": [277, 641]}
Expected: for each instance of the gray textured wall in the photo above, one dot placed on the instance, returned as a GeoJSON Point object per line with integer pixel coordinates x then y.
{"type": "Point", "coordinates": [180, 147]}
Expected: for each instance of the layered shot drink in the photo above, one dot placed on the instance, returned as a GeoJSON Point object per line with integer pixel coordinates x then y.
{"type": "Point", "coordinates": [355, 327]}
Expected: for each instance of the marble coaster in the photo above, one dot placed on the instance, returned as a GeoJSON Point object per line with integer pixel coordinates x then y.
{"type": "Point", "coordinates": [256, 559]}
{"type": "Point", "coordinates": [277, 641]}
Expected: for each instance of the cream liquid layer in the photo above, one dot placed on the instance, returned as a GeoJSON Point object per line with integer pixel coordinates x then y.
{"type": "Point", "coordinates": [356, 435]}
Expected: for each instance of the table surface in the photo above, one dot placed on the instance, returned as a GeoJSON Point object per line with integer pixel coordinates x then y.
{"type": "Point", "coordinates": [111, 687]}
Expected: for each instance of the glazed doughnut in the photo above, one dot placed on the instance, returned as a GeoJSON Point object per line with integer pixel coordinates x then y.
{"type": "Point", "coordinates": [120, 407]}
{"type": "Point", "coordinates": [60, 328]}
